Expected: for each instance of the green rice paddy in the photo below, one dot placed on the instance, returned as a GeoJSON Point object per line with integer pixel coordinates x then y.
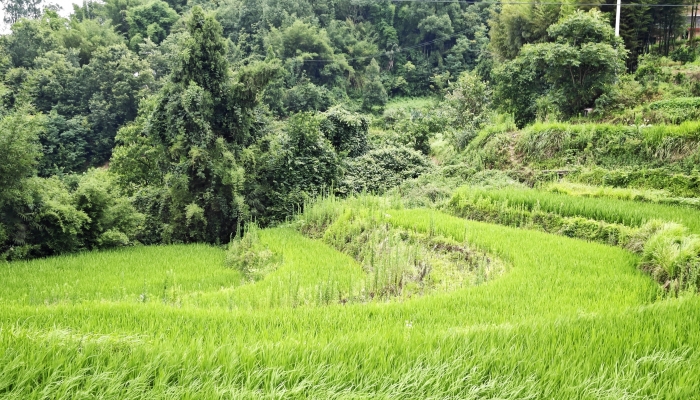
{"type": "Point", "coordinates": [613, 210]}
{"type": "Point", "coordinates": [569, 319]}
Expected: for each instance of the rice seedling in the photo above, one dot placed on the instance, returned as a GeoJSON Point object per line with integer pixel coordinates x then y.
{"type": "Point", "coordinates": [642, 195]}
{"type": "Point", "coordinates": [625, 212]}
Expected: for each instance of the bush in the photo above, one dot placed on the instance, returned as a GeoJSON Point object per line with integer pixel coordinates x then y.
{"type": "Point", "coordinates": [684, 54]}
{"type": "Point", "coordinates": [288, 168]}
{"type": "Point", "coordinates": [346, 131]}
{"type": "Point", "coordinates": [305, 96]}
{"type": "Point", "coordinates": [81, 212]}
{"type": "Point", "coordinates": [382, 169]}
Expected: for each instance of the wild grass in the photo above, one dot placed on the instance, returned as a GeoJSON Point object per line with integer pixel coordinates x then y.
{"type": "Point", "coordinates": [569, 319]}
{"type": "Point", "coordinates": [678, 185]}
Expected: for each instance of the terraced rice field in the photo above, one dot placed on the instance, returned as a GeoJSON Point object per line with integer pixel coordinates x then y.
{"type": "Point", "coordinates": [568, 319]}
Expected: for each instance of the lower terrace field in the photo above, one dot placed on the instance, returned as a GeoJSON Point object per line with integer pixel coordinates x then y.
{"type": "Point", "coordinates": [566, 319]}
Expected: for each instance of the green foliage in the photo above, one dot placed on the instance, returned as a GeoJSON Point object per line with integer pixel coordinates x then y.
{"type": "Point", "coordinates": [51, 216]}
{"type": "Point", "coordinates": [288, 169]}
{"type": "Point", "coordinates": [32, 38]}
{"type": "Point", "coordinates": [19, 150]}
{"type": "Point", "coordinates": [383, 168]}
{"type": "Point", "coordinates": [18, 9]}
{"type": "Point", "coordinates": [346, 131]}
{"type": "Point", "coordinates": [64, 145]}
{"type": "Point", "coordinates": [198, 123]}
{"type": "Point", "coordinates": [684, 54]}
{"type": "Point", "coordinates": [469, 99]}
{"type": "Point", "coordinates": [572, 71]}
{"type": "Point", "coordinates": [87, 36]}
{"type": "Point", "coordinates": [518, 24]}
{"type": "Point", "coordinates": [304, 97]}
{"type": "Point", "coordinates": [151, 20]}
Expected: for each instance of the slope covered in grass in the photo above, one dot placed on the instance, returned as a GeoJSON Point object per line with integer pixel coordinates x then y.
{"type": "Point", "coordinates": [569, 319]}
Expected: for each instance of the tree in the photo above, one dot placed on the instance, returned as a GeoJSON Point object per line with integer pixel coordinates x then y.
{"type": "Point", "coordinates": [87, 36]}
{"type": "Point", "coordinates": [636, 27]}
{"type": "Point", "coordinates": [20, 150]}
{"type": "Point", "coordinates": [113, 84]}
{"type": "Point", "coordinates": [469, 100]}
{"type": "Point", "coordinates": [519, 24]}
{"type": "Point", "coordinates": [32, 38]}
{"type": "Point", "coordinates": [292, 168]}
{"type": "Point", "coordinates": [198, 123]}
{"type": "Point", "coordinates": [374, 96]}
{"type": "Point", "coordinates": [346, 131]}
{"type": "Point", "coordinates": [571, 72]}
{"type": "Point", "coordinates": [152, 20]}
{"type": "Point", "coordinates": [669, 23]}
{"type": "Point", "coordinates": [18, 9]}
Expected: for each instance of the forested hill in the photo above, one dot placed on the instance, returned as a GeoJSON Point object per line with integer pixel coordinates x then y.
{"type": "Point", "coordinates": [176, 121]}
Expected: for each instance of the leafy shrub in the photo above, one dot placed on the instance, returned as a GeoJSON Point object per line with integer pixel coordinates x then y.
{"type": "Point", "coordinates": [289, 168]}
{"type": "Point", "coordinates": [649, 70]}
{"type": "Point", "coordinates": [346, 131]}
{"type": "Point", "coordinates": [81, 212]}
{"type": "Point", "coordinates": [626, 93]}
{"type": "Point", "coordinates": [305, 96]}
{"type": "Point", "coordinates": [683, 54]}
{"type": "Point", "coordinates": [382, 169]}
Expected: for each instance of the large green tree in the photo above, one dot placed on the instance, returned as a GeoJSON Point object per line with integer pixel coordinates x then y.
{"type": "Point", "coordinates": [198, 124]}
{"type": "Point", "coordinates": [17, 9]}
{"type": "Point", "coordinates": [570, 72]}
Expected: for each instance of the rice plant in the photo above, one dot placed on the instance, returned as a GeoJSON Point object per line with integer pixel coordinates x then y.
{"type": "Point", "coordinates": [568, 319]}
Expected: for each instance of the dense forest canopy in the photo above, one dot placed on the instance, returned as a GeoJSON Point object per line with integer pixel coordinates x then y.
{"type": "Point", "coordinates": [176, 121]}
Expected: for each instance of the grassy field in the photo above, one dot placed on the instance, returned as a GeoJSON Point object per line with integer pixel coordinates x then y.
{"type": "Point", "coordinates": [569, 319]}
